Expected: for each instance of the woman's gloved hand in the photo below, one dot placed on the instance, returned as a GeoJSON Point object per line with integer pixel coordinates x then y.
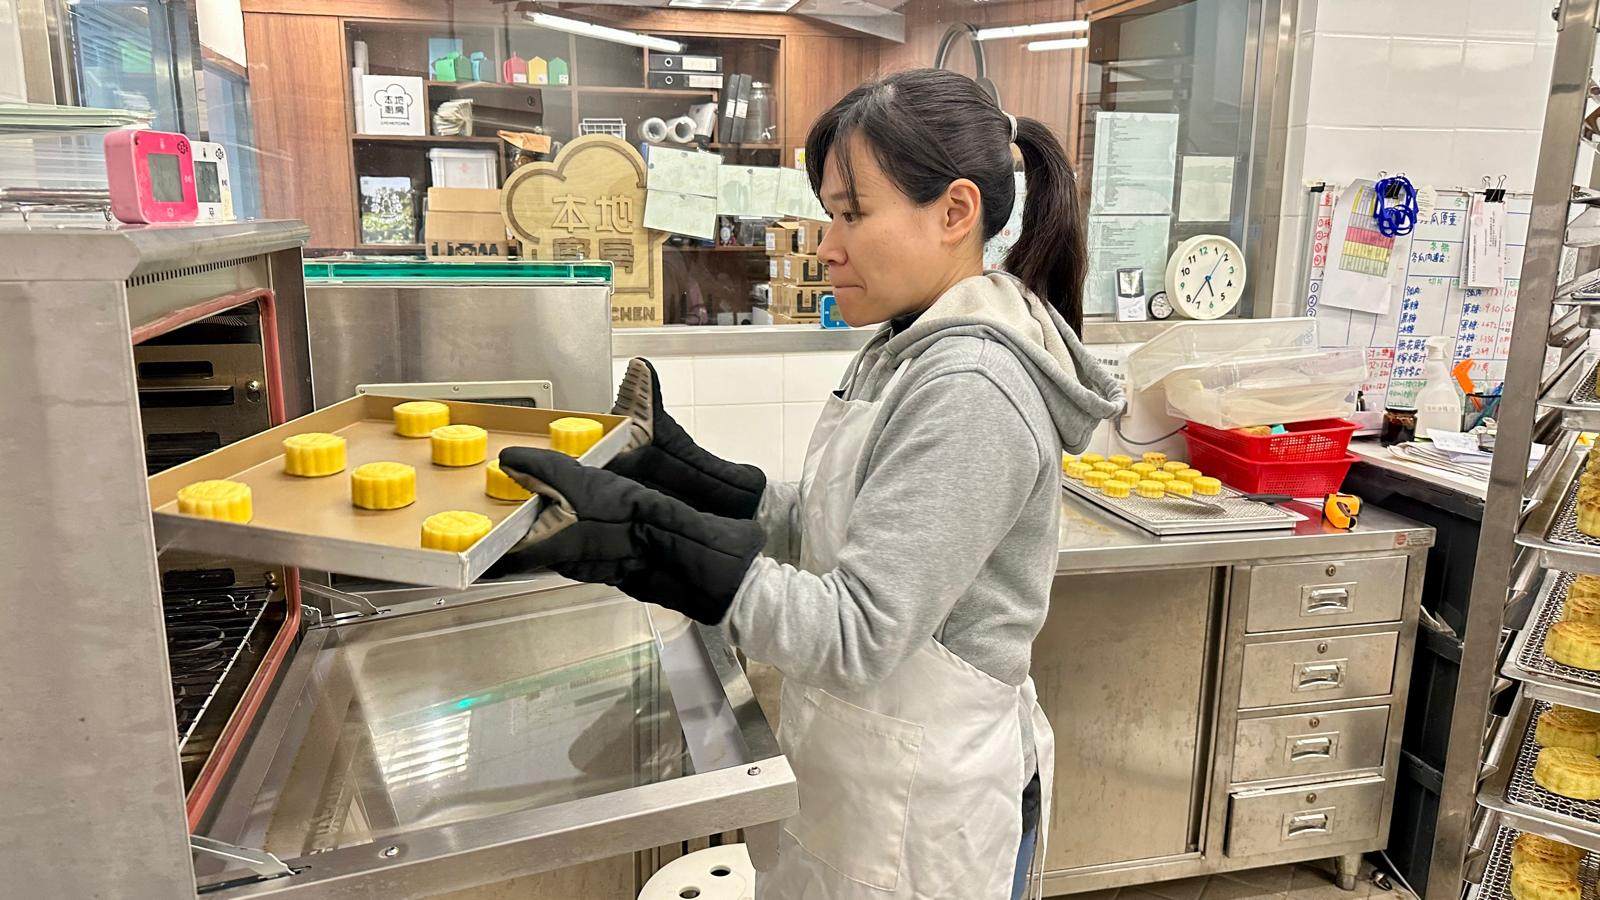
{"type": "Point", "coordinates": [651, 546]}
{"type": "Point", "coordinates": [673, 463]}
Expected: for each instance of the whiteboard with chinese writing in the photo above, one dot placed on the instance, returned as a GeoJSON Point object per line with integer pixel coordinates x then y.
{"type": "Point", "coordinates": [1430, 300]}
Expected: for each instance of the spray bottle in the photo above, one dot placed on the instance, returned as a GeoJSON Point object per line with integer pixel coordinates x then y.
{"type": "Point", "coordinates": [1440, 401]}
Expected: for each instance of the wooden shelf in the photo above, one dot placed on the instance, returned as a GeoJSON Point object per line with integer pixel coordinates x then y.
{"type": "Point", "coordinates": [718, 145]}
{"type": "Point", "coordinates": [690, 248]}
{"type": "Point", "coordinates": [390, 248]}
{"type": "Point", "coordinates": [646, 91]}
{"type": "Point", "coordinates": [424, 139]}
{"type": "Point", "coordinates": [582, 89]}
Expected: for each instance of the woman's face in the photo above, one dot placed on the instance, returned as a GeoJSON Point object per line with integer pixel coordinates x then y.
{"type": "Point", "coordinates": [888, 256]}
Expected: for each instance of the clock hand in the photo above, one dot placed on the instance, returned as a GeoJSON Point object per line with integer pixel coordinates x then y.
{"type": "Point", "coordinates": [1220, 260]}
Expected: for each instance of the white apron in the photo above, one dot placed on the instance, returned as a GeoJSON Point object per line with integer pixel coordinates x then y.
{"type": "Point", "coordinates": [910, 788]}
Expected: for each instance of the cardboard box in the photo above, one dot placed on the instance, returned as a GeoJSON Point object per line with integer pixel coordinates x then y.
{"type": "Point", "coordinates": [781, 319]}
{"type": "Point", "coordinates": [808, 236]}
{"type": "Point", "coordinates": [465, 222]}
{"type": "Point", "coordinates": [802, 236]}
{"type": "Point", "coordinates": [393, 104]}
{"type": "Point", "coordinates": [797, 269]}
{"type": "Point", "coordinates": [799, 301]}
{"type": "Point", "coordinates": [780, 238]}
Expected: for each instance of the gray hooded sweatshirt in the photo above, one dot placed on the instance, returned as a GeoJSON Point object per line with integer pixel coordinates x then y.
{"type": "Point", "coordinates": [957, 516]}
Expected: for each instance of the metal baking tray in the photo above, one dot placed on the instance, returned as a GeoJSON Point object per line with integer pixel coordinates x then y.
{"type": "Point", "coordinates": [1496, 883]}
{"type": "Point", "coordinates": [1551, 524]}
{"type": "Point", "coordinates": [310, 522]}
{"type": "Point", "coordinates": [1510, 790]}
{"type": "Point", "coordinates": [1544, 678]}
{"type": "Point", "coordinates": [1573, 393]}
{"type": "Point", "coordinates": [1165, 517]}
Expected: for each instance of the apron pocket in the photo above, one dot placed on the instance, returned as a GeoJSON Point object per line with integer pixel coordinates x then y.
{"type": "Point", "coordinates": [854, 769]}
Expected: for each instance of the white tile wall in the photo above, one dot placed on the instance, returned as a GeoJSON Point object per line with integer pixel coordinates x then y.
{"type": "Point", "coordinates": [752, 409]}
{"type": "Point", "coordinates": [1446, 91]}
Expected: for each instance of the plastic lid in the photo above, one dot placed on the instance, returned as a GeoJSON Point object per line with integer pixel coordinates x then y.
{"type": "Point", "coordinates": [1234, 340]}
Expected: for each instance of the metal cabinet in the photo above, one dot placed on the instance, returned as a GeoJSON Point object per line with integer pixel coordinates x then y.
{"type": "Point", "coordinates": [1215, 717]}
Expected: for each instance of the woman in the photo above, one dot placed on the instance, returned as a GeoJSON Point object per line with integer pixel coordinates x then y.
{"type": "Point", "coordinates": [925, 530]}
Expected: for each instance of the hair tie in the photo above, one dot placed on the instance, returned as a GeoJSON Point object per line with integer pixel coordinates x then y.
{"type": "Point", "coordinates": [1013, 120]}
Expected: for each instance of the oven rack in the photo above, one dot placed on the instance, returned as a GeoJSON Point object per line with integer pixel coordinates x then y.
{"type": "Point", "coordinates": [208, 632]}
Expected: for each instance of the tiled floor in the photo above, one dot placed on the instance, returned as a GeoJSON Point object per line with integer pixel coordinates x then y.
{"type": "Point", "coordinates": [1308, 881]}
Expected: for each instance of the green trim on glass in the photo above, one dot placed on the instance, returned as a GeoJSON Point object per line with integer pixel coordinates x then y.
{"type": "Point", "coordinates": [324, 271]}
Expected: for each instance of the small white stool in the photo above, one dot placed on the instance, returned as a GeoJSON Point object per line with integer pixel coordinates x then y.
{"type": "Point", "coordinates": [716, 873]}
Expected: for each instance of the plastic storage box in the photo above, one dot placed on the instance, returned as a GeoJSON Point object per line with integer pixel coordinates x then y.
{"type": "Point", "coordinates": [457, 168]}
{"type": "Point", "coordinates": [1186, 344]}
{"type": "Point", "coordinates": [1291, 386]}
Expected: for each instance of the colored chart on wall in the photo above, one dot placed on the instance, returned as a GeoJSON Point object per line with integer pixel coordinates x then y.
{"type": "Point", "coordinates": [1427, 279]}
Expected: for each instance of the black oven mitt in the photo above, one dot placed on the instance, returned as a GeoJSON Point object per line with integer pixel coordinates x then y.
{"type": "Point", "coordinates": [672, 463]}
{"type": "Point", "coordinates": [611, 530]}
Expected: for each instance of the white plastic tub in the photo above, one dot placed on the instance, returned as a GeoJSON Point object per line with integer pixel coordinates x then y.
{"type": "Point", "coordinates": [457, 168]}
{"type": "Point", "coordinates": [1289, 386]}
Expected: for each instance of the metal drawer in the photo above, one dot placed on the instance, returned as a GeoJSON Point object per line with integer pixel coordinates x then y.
{"type": "Point", "coordinates": [1309, 744]}
{"type": "Point", "coordinates": [1324, 594]}
{"type": "Point", "coordinates": [1299, 817]}
{"type": "Point", "coordinates": [1317, 670]}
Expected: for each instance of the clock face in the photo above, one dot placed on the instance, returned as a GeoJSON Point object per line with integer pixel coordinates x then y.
{"type": "Point", "coordinates": [1205, 277]}
{"type": "Point", "coordinates": [1160, 308]}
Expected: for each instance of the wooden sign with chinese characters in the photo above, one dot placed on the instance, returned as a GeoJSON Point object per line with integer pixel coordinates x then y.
{"type": "Point", "coordinates": [588, 203]}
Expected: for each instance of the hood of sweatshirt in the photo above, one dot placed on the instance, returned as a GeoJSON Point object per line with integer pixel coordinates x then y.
{"type": "Point", "coordinates": [1078, 391]}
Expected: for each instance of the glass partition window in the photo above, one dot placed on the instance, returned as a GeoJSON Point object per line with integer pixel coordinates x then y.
{"type": "Point", "coordinates": [1165, 142]}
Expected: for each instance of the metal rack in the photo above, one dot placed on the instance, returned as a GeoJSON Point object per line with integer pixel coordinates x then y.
{"type": "Point", "coordinates": [1529, 544]}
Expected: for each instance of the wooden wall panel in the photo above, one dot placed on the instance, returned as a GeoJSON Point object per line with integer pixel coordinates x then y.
{"type": "Point", "coordinates": [817, 71]}
{"type": "Point", "coordinates": [301, 108]}
{"type": "Point", "coordinates": [1043, 86]}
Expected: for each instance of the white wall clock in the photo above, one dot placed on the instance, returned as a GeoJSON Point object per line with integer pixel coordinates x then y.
{"type": "Point", "coordinates": [1205, 277]}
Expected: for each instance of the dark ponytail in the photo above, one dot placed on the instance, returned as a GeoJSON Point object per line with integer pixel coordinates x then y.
{"type": "Point", "coordinates": [1049, 255]}
{"type": "Point", "coordinates": [929, 127]}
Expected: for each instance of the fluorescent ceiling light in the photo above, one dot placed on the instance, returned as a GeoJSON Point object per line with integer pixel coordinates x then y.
{"type": "Point", "coordinates": [1059, 44]}
{"type": "Point", "coordinates": [601, 32]}
{"type": "Point", "coordinates": [776, 6]}
{"type": "Point", "coordinates": [1034, 30]}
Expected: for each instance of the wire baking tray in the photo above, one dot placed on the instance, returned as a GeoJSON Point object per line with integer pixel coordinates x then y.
{"type": "Point", "coordinates": [1543, 677]}
{"type": "Point", "coordinates": [1510, 790]}
{"type": "Point", "coordinates": [1166, 517]}
{"type": "Point", "coordinates": [1496, 883]}
{"type": "Point", "coordinates": [310, 522]}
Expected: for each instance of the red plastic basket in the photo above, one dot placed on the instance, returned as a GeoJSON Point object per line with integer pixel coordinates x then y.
{"type": "Point", "coordinates": [1297, 478]}
{"type": "Point", "coordinates": [1323, 440]}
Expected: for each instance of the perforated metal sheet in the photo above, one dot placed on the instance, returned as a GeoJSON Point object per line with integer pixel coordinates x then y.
{"type": "Point", "coordinates": [1584, 393]}
{"type": "Point", "coordinates": [1177, 517]}
{"type": "Point", "coordinates": [1564, 528]}
{"type": "Point", "coordinates": [1523, 790]}
{"type": "Point", "coordinates": [1532, 657]}
{"type": "Point", "coordinates": [1496, 884]}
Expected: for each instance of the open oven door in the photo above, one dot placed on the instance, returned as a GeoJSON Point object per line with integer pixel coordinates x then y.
{"type": "Point", "coordinates": [444, 741]}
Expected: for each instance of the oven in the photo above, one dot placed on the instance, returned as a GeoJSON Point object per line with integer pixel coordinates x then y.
{"type": "Point", "coordinates": [189, 723]}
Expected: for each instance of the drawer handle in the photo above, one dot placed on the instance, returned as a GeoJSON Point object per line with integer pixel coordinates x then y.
{"type": "Point", "coordinates": [1311, 747]}
{"type": "Point", "coordinates": [1307, 824]}
{"type": "Point", "coordinates": [1325, 601]}
{"type": "Point", "coordinates": [1319, 676]}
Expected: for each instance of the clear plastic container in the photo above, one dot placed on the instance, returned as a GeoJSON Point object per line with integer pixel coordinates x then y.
{"type": "Point", "coordinates": [456, 168]}
{"type": "Point", "coordinates": [1288, 386]}
{"type": "Point", "coordinates": [1232, 340]}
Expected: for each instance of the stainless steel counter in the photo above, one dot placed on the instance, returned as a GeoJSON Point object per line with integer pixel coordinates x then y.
{"type": "Point", "coordinates": [1096, 541]}
{"type": "Point", "coordinates": [1224, 701]}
